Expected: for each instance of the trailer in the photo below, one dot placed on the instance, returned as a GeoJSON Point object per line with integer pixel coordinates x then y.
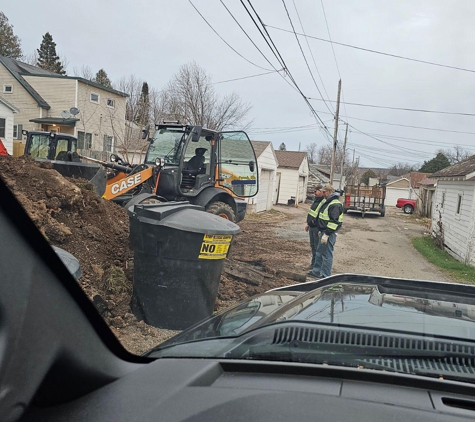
{"type": "Point", "coordinates": [364, 199]}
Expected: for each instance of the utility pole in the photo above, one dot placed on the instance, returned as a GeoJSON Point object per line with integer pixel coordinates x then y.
{"type": "Point", "coordinates": [335, 133]}
{"type": "Point", "coordinates": [343, 157]}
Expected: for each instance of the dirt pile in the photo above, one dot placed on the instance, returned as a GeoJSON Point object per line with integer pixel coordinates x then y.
{"type": "Point", "coordinates": [73, 217]}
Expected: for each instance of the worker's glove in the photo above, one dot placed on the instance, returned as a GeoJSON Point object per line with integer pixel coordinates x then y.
{"type": "Point", "coordinates": [324, 239]}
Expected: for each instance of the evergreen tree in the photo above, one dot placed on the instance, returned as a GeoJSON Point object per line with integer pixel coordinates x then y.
{"type": "Point", "coordinates": [143, 110]}
{"type": "Point", "coordinates": [47, 57]}
{"type": "Point", "coordinates": [367, 175]}
{"type": "Point", "coordinates": [9, 43]}
{"type": "Point", "coordinates": [282, 147]}
{"type": "Point", "coordinates": [102, 78]}
{"type": "Point", "coordinates": [439, 162]}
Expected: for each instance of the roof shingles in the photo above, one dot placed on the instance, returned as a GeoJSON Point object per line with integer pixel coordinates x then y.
{"type": "Point", "coordinates": [464, 168]}
{"type": "Point", "coordinates": [290, 159]}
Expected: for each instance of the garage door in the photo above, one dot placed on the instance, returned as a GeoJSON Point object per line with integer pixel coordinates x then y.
{"type": "Point", "coordinates": [264, 186]}
{"type": "Point", "coordinates": [392, 194]}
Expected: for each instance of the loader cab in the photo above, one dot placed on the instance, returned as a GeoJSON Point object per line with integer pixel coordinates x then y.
{"type": "Point", "coordinates": [194, 159]}
{"type": "Point", "coordinates": [49, 145]}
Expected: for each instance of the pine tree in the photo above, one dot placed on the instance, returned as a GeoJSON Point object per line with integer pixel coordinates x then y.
{"type": "Point", "coordinates": [282, 147]}
{"type": "Point", "coordinates": [102, 78]}
{"type": "Point", "coordinates": [439, 162]}
{"type": "Point", "coordinates": [47, 57]}
{"type": "Point", "coordinates": [143, 110]}
{"type": "Point", "coordinates": [9, 43]}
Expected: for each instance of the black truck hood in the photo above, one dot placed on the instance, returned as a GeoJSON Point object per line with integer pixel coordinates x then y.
{"type": "Point", "coordinates": [414, 306]}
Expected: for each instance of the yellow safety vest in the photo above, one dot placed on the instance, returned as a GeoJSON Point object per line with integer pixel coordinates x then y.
{"type": "Point", "coordinates": [325, 217]}
{"type": "Point", "coordinates": [314, 213]}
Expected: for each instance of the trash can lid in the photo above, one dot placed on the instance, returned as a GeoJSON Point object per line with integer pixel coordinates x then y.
{"type": "Point", "coordinates": [70, 262]}
{"type": "Point", "coordinates": [183, 216]}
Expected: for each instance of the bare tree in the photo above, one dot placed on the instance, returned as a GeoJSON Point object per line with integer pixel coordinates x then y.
{"type": "Point", "coordinates": [191, 98]}
{"type": "Point", "coordinates": [456, 154]}
{"type": "Point", "coordinates": [312, 153]}
{"type": "Point", "coordinates": [401, 168]}
{"type": "Point", "coordinates": [84, 72]}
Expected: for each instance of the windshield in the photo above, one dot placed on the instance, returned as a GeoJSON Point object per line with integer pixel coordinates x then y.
{"type": "Point", "coordinates": [349, 205]}
{"type": "Point", "coordinates": [166, 144]}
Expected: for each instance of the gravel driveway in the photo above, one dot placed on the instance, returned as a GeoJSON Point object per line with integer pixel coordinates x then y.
{"type": "Point", "coordinates": [370, 245]}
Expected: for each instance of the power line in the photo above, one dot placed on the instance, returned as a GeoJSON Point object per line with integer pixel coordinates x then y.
{"type": "Point", "coordinates": [232, 48]}
{"type": "Point", "coordinates": [303, 55]}
{"type": "Point", "coordinates": [401, 108]}
{"type": "Point", "coordinates": [377, 52]}
{"type": "Point", "coordinates": [245, 77]}
{"type": "Point", "coordinates": [309, 49]}
{"type": "Point", "coordinates": [282, 62]}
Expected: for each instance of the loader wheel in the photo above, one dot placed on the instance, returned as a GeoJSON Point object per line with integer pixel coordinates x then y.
{"type": "Point", "coordinates": [222, 210]}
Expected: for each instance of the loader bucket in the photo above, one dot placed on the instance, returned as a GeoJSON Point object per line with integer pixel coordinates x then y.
{"type": "Point", "coordinates": [92, 172]}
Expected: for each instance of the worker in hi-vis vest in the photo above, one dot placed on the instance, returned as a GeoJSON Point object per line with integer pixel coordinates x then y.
{"type": "Point", "coordinates": [312, 225]}
{"type": "Point", "coordinates": [329, 219]}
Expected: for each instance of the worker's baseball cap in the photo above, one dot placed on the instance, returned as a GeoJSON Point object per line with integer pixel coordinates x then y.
{"type": "Point", "coordinates": [318, 187]}
{"type": "Point", "coordinates": [328, 188]}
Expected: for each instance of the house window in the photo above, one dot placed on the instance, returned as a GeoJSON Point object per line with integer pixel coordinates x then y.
{"type": "Point", "coordinates": [2, 128]}
{"type": "Point", "coordinates": [459, 204]}
{"type": "Point", "coordinates": [443, 200]}
{"type": "Point", "coordinates": [108, 143]}
{"type": "Point", "coordinates": [110, 103]}
{"type": "Point", "coordinates": [7, 89]}
{"type": "Point", "coordinates": [17, 131]}
{"type": "Point", "coordinates": [84, 140]}
{"type": "Point", "coordinates": [94, 98]}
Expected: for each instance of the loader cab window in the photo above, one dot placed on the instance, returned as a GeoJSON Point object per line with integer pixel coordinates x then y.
{"type": "Point", "coordinates": [196, 172]}
{"type": "Point", "coordinates": [237, 164]}
{"type": "Point", "coordinates": [39, 146]}
{"type": "Point", "coordinates": [166, 144]}
{"type": "Point", "coordinates": [65, 145]}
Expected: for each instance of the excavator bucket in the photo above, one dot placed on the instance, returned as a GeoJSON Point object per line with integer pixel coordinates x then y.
{"type": "Point", "coordinates": [92, 172]}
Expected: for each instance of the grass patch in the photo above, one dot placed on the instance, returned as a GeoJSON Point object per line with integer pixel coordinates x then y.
{"type": "Point", "coordinates": [454, 269]}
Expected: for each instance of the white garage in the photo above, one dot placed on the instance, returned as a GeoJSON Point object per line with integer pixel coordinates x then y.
{"type": "Point", "coordinates": [267, 165]}
{"type": "Point", "coordinates": [6, 124]}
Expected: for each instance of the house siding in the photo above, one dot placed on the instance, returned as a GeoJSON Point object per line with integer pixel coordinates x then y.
{"type": "Point", "coordinates": [28, 108]}
{"type": "Point", "coordinates": [458, 228]}
{"type": "Point", "coordinates": [58, 93]}
{"type": "Point", "coordinates": [289, 179]}
{"type": "Point", "coordinates": [7, 114]}
{"type": "Point", "coordinates": [267, 163]}
{"type": "Point", "coordinates": [99, 119]}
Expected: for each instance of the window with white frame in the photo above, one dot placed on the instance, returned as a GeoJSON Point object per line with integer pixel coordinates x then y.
{"type": "Point", "coordinates": [84, 140]}
{"type": "Point", "coordinates": [110, 103]}
{"type": "Point", "coordinates": [7, 89]}
{"type": "Point", "coordinates": [94, 98]}
{"type": "Point", "coordinates": [17, 131]}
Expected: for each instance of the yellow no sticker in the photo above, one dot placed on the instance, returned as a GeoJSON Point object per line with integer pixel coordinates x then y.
{"type": "Point", "coordinates": [215, 246]}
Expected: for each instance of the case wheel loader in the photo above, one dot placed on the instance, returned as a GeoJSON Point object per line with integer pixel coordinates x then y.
{"type": "Point", "coordinates": [216, 170]}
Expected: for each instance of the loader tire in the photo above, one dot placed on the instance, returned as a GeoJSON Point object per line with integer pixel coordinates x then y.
{"type": "Point", "coordinates": [222, 210]}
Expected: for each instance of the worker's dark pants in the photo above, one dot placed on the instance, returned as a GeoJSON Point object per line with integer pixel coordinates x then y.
{"type": "Point", "coordinates": [323, 260]}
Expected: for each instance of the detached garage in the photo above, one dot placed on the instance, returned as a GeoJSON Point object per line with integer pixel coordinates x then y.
{"type": "Point", "coordinates": [294, 171]}
{"type": "Point", "coordinates": [406, 186]}
{"type": "Point", "coordinates": [267, 165]}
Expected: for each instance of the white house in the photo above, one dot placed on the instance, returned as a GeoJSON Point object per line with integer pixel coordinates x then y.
{"type": "Point", "coordinates": [405, 186]}
{"type": "Point", "coordinates": [267, 165]}
{"type": "Point", "coordinates": [292, 177]}
{"type": "Point", "coordinates": [454, 209]}
{"type": "Point", "coordinates": [7, 122]}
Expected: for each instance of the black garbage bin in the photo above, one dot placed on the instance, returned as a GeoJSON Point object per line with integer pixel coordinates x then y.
{"type": "Point", "coordinates": [179, 252]}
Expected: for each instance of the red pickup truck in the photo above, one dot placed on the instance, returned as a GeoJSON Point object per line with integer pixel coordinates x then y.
{"type": "Point", "coordinates": [407, 205]}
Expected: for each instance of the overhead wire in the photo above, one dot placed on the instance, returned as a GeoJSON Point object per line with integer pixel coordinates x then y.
{"type": "Point", "coordinates": [245, 77]}
{"type": "Point", "coordinates": [402, 108]}
{"type": "Point", "coordinates": [376, 51]}
{"type": "Point", "coordinates": [303, 55]}
{"type": "Point", "coordinates": [222, 39]}
{"type": "Point", "coordinates": [281, 60]}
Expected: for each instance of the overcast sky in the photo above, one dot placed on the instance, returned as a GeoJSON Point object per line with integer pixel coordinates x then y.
{"type": "Point", "coordinates": [152, 39]}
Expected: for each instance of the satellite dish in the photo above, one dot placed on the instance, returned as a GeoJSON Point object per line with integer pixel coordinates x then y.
{"type": "Point", "coordinates": [65, 114]}
{"type": "Point", "coordinates": [74, 111]}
